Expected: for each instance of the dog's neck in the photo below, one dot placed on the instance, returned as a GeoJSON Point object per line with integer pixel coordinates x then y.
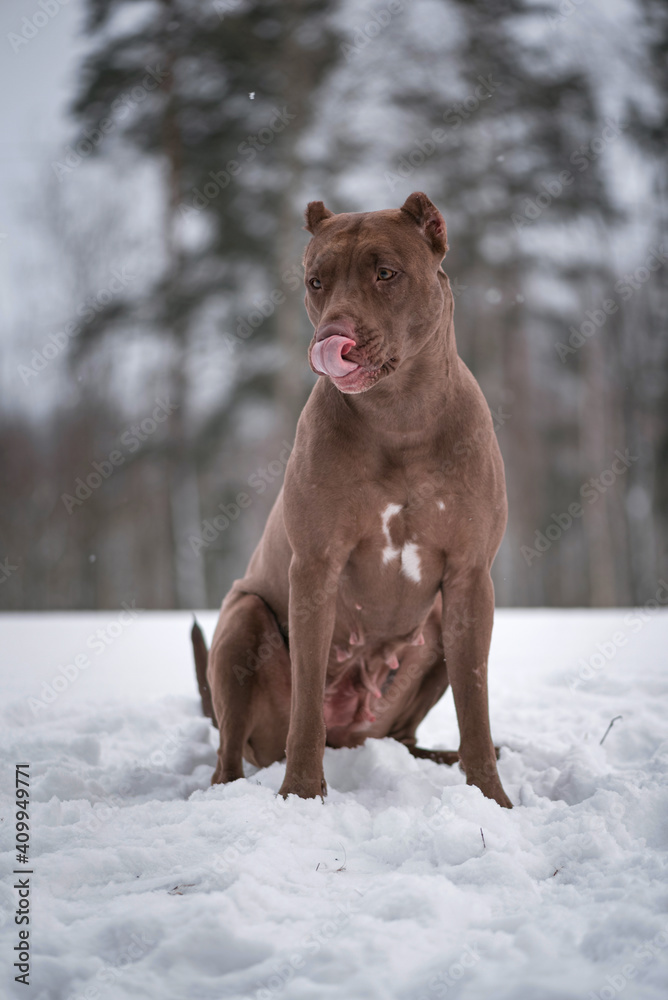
{"type": "Point", "coordinates": [403, 407]}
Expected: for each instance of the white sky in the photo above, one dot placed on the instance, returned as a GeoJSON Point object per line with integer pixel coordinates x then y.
{"type": "Point", "coordinates": [36, 84]}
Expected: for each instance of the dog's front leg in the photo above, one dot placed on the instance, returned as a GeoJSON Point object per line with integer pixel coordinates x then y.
{"type": "Point", "coordinates": [468, 613]}
{"type": "Point", "coordinates": [313, 588]}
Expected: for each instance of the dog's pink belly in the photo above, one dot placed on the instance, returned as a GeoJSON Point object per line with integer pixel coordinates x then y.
{"type": "Point", "coordinates": [346, 704]}
{"type": "Point", "coordinates": [356, 705]}
{"type": "Point", "coordinates": [363, 669]}
{"type": "Point", "coordinates": [355, 688]}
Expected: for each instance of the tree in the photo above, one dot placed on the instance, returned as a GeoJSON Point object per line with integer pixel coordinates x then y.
{"type": "Point", "coordinates": [220, 96]}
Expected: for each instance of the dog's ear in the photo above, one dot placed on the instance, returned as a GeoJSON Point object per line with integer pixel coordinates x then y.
{"type": "Point", "coordinates": [315, 214]}
{"type": "Point", "coordinates": [429, 220]}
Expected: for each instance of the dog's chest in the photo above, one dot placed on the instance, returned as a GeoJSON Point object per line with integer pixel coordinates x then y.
{"type": "Point", "coordinates": [402, 548]}
{"type": "Point", "coordinates": [401, 542]}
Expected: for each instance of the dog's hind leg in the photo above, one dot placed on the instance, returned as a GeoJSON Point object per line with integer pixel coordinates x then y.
{"type": "Point", "coordinates": [426, 664]}
{"type": "Point", "coordinates": [248, 676]}
{"type": "Point", "coordinates": [438, 756]}
{"type": "Point", "coordinates": [433, 686]}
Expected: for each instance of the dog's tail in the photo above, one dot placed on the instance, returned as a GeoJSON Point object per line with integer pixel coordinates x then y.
{"type": "Point", "coordinates": [201, 660]}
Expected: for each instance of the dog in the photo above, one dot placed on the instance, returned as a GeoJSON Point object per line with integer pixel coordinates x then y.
{"type": "Point", "coordinates": [369, 592]}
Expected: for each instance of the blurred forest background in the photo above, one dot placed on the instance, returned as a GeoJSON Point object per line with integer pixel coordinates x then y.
{"type": "Point", "coordinates": [157, 365]}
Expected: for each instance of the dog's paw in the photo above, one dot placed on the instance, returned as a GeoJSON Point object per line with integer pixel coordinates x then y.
{"type": "Point", "coordinates": [499, 796]}
{"type": "Point", "coordinates": [228, 768]}
{"type": "Point", "coordinates": [491, 789]}
{"type": "Point", "coordinates": [438, 756]}
{"type": "Point", "coordinates": [304, 787]}
{"type": "Point", "coordinates": [485, 776]}
{"type": "Point", "coordinates": [223, 777]}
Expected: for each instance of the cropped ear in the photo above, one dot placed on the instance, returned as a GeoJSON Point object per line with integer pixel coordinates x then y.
{"type": "Point", "coordinates": [315, 214]}
{"type": "Point", "coordinates": [429, 220]}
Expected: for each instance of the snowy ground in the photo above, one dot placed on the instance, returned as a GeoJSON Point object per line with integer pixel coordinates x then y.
{"type": "Point", "coordinates": [148, 883]}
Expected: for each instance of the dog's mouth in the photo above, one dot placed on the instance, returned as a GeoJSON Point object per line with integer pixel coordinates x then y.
{"type": "Point", "coordinates": [359, 380]}
{"type": "Point", "coordinates": [327, 356]}
{"type": "Point", "coordinates": [364, 377]}
{"type": "Point", "coordinates": [330, 357]}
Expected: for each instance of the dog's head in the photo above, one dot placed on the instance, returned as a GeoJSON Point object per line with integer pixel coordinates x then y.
{"type": "Point", "coordinates": [372, 289]}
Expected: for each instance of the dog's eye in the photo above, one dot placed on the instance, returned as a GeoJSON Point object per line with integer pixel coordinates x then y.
{"type": "Point", "coordinates": [315, 283]}
{"type": "Point", "coordinates": [384, 274]}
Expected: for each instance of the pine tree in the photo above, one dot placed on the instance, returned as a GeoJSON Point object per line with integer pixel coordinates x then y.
{"type": "Point", "coordinates": [220, 96]}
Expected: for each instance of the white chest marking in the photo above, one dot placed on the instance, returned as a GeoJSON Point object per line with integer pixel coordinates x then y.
{"type": "Point", "coordinates": [440, 505]}
{"type": "Point", "coordinates": [390, 551]}
{"type": "Point", "coordinates": [410, 562]}
{"type": "Point", "coordinates": [409, 557]}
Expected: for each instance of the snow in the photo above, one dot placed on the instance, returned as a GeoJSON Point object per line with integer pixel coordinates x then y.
{"type": "Point", "coordinates": [149, 883]}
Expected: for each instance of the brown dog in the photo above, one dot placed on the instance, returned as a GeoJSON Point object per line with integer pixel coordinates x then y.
{"type": "Point", "coordinates": [370, 589]}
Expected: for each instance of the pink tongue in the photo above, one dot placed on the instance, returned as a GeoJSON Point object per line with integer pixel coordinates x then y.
{"type": "Point", "coordinates": [327, 356]}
